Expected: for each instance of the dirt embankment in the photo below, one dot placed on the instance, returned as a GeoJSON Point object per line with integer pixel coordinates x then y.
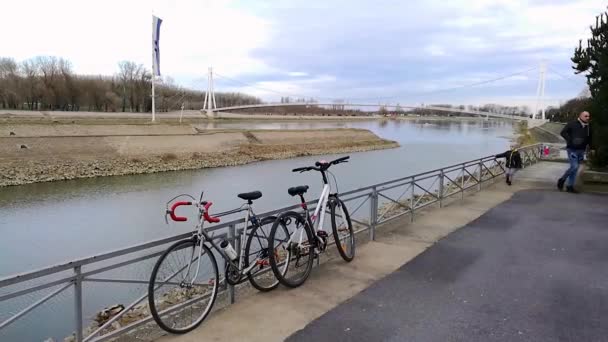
{"type": "Point", "coordinates": [38, 153]}
{"type": "Point", "coordinates": [548, 132]}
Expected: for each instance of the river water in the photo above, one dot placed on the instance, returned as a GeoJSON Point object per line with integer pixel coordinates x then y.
{"type": "Point", "coordinates": [47, 223]}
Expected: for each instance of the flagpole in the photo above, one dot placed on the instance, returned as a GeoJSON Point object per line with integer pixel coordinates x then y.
{"type": "Point", "coordinates": [153, 104]}
{"type": "Point", "coordinates": [153, 70]}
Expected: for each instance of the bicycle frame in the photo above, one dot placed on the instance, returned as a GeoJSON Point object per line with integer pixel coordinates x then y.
{"type": "Point", "coordinates": [320, 210]}
{"type": "Point", "coordinates": [316, 221]}
{"type": "Point", "coordinates": [203, 237]}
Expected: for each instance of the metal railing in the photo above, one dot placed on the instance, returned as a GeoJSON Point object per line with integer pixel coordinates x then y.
{"type": "Point", "coordinates": [386, 201]}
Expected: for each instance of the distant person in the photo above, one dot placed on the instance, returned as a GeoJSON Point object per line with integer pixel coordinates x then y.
{"type": "Point", "coordinates": [513, 162]}
{"type": "Point", "coordinates": [577, 134]}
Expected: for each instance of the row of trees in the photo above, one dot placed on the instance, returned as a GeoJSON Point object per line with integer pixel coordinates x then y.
{"type": "Point", "coordinates": [569, 110]}
{"type": "Point", "coordinates": [49, 83]}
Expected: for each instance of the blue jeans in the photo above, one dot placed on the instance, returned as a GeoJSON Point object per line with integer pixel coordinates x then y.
{"type": "Point", "coordinates": [575, 157]}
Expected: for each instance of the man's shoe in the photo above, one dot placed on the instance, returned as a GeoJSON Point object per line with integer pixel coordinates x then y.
{"type": "Point", "coordinates": [509, 182]}
{"type": "Point", "coordinates": [571, 189]}
{"type": "Point", "coordinates": [560, 183]}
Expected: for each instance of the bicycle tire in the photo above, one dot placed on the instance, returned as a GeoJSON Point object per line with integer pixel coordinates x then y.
{"type": "Point", "coordinates": [348, 257]}
{"type": "Point", "coordinates": [281, 275]}
{"type": "Point", "coordinates": [258, 277]}
{"type": "Point", "coordinates": [156, 304]}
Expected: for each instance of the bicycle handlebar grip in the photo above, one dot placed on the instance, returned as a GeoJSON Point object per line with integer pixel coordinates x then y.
{"type": "Point", "coordinates": [300, 169]}
{"type": "Point", "coordinates": [340, 160]}
{"type": "Point", "coordinates": [207, 217]}
{"type": "Point", "coordinates": [172, 211]}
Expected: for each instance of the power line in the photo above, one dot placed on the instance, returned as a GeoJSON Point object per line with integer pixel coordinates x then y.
{"type": "Point", "coordinates": [450, 89]}
{"type": "Point", "coordinates": [563, 76]}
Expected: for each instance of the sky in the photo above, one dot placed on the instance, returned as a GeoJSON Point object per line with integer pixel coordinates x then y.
{"type": "Point", "coordinates": [407, 52]}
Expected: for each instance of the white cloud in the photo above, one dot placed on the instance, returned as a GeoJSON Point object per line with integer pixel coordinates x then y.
{"type": "Point", "coordinates": [435, 50]}
{"type": "Point", "coordinates": [95, 36]}
{"type": "Point", "coordinates": [297, 74]}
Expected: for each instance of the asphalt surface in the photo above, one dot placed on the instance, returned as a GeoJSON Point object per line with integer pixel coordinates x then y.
{"type": "Point", "coordinates": [534, 268]}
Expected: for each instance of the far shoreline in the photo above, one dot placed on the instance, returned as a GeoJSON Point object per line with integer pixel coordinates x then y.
{"type": "Point", "coordinates": [195, 116]}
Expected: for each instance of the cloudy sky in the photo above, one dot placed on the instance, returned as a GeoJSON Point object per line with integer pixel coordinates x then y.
{"type": "Point", "coordinates": [404, 51]}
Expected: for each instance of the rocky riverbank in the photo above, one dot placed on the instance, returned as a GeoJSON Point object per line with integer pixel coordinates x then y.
{"type": "Point", "coordinates": [29, 157]}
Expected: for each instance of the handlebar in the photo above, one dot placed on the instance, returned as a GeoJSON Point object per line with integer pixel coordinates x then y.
{"type": "Point", "coordinates": [322, 165]}
{"type": "Point", "coordinates": [172, 211]}
{"type": "Point", "coordinates": [206, 216]}
{"type": "Point", "coordinates": [302, 169]}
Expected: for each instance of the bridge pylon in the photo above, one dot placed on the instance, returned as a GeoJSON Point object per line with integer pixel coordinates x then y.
{"type": "Point", "coordinates": [540, 91]}
{"type": "Point", "coordinates": [209, 105]}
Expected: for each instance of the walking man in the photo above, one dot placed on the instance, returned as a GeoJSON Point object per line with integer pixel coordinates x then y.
{"type": "Point", "coordinates": [577, 134]}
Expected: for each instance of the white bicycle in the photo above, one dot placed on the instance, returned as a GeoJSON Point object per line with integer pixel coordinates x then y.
{"type": "Point", "coordinates": [296, 240]}
{"type": "Point", "coordinates": [184, 282]}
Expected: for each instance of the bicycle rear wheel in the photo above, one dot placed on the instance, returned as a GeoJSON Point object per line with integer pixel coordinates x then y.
{"type": "Point", "coordinates": [292, 243]}
{"type": "Point", "coordinates": [256, 251]}
{"type": "Point", "coordinates": [182, 288]}
{"type": "Point", "coordinates": [343, 230]}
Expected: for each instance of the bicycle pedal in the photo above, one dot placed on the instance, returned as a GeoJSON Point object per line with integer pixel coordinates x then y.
{"type": "Point", "coordinates": [322, 234]}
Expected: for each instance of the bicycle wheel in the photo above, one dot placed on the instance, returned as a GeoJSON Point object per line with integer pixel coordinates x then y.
{"type": "Point", "coordinates": [293, 246]}
{"type": "Point", "coordinates": [256, 251]}
{"type": "Point", "coordinates": [343, 229]}
{"type": "Point", "coordinates": [182, 287]}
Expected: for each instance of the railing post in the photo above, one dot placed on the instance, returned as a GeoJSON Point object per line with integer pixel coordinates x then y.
{"type": "Point", "coordinates": [480, 175]}
{"type": "Point", "coordinates": [78, 302]}
{"type": "Point", "coordinates": [441, 177]}
{"type": "Point", "coordinates": [373, 213]}
{"type": "Point", "coordinates": [462, 182]}
{"type": "Point", "coordinates": [412, 204]}
{"type": "Point", "coordinates": [232, 238]}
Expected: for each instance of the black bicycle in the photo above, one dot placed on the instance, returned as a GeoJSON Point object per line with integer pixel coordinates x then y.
{"type": "Point", "coordinates": [297, 241]}
{"type": "Point", "coordinates": [184, 282]}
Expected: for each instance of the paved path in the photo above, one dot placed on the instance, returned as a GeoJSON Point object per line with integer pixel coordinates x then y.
{"type": "Point", "coordinates": [534, 268]}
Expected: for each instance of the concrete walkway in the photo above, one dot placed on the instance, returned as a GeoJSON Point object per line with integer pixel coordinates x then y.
{"type": "Point", "coordinates": [276, 315]}
{"type": "Point", "coordinates": [531, 269]}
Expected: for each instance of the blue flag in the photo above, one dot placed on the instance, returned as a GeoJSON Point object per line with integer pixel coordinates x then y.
{"type": "Point", "coordinates": [155, 48]}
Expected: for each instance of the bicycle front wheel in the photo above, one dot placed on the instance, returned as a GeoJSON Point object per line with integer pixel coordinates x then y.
{"type": "Point", "coordinates": [343, 230]}
{"type": "Point", "coordinates": [292, 249]}
{"type": "Point", "coordinates": [183, 286]}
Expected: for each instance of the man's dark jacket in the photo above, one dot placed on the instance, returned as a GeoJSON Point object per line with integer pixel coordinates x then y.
{"type": "Point", "coordinates": [577, 137]}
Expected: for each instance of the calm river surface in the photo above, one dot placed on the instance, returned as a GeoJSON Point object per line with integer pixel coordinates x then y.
{"type": "Point", "coordinates": [47, 223]}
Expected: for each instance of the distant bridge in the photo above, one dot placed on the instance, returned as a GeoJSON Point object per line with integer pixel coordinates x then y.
{"type": "Point", "coordinates": [442, 109]}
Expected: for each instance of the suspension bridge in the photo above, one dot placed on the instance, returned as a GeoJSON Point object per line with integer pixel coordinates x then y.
{"type": "Point", "coordinates": [210, 108]}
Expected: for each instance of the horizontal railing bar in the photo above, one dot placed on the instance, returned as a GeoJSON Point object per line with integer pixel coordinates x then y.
{"type": "Point", "coordinates": [121, 281]}
{"type": "Point", "coordinates": [354, 198]}
{"type": "Point", "coordinates": [104, 256]}
{"type": "Point", "coordinates": [96, 258]}
{"type": "Point", "coordinates": [121, 264]}
{"type": "Point", "coordinates": [394, 201]}
{"type": "Point", "coordinates": [386, 188]}
{"type": "Point", "coordinates": [37, 288]}
{"type": "Point", "coordinates": [426, 191]}
{"type": "Point", "coordinates": [426, 204]}
{"type": "Point", "coordinates": [33, 306]}
{"type": "Point", "coordinates": [394, 217]}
